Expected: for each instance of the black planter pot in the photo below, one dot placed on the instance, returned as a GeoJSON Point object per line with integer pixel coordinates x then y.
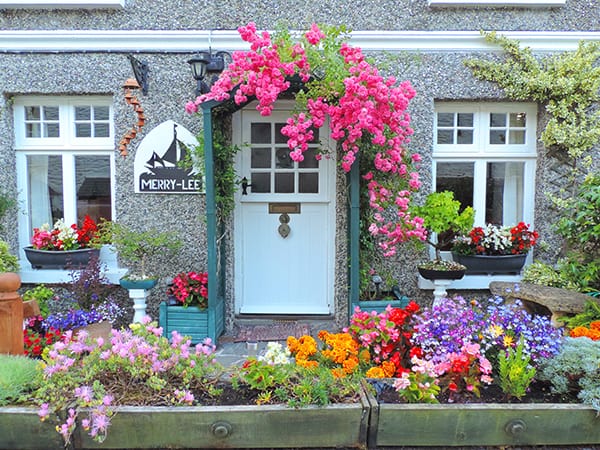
{"type": "Point", "coordinates": [60, 259]}
{"type": "Point", "coordinates": [491, 264]}
{"type": "Point", "coordinates": [433, 274]}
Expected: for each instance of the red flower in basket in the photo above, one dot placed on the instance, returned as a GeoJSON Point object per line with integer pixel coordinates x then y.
{"type": "Point", "coordinates": [190, 288]}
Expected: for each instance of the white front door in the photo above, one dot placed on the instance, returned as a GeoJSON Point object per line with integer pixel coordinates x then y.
{"type": "Point", "coordinates": [284, 223]}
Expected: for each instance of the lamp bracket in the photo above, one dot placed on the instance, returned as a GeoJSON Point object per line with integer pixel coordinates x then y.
{"type": "Point", "coordinates": [141, 72]}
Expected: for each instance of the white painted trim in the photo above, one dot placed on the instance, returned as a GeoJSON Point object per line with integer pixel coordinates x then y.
{"type": "Point", "coordinates": [496, 3]}
{"type": "Point", "coordinates": [63, 4]}
{"type": "Point", "coordinates": [186, 41]}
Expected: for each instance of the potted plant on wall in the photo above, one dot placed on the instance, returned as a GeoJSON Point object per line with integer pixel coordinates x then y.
{"type": "Point", "coordinates": [63, 246]}
{"type": "Point", "coordinates": [441, 215]}
{"type": "Point", "coordinates": [494, 249]}
{"type": "Point", "coordinates": [137, 249]}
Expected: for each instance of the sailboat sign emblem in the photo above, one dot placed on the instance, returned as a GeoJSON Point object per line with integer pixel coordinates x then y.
{"type": "Point", "coordinates": [157, 166]}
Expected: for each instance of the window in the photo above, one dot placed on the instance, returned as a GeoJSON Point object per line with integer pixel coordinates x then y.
{"type": "Point", "coordinates": [65, 163]}
{"type": "Point", "coordinates": [485, 154]}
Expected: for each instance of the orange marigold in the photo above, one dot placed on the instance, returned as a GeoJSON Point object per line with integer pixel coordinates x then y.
{"type": "Point", "coordinates": [375, 372]}
{"type": "Point", "coordinates": [389, 368]}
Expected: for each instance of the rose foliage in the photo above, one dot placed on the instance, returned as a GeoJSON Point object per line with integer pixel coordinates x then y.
{"type": "Point", "coordinates": [364, 110]}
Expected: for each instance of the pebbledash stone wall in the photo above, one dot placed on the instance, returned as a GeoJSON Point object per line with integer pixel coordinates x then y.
{"type": "Point", "coordinates": [435, 76]}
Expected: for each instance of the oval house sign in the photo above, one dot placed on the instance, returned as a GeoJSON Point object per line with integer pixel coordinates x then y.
{"type": "Point", "coordinates": [156, 168]}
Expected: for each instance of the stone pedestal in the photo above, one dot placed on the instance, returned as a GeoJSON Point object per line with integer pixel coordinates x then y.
{"type": "Point", "coordinates": [439, 292]}
{"type": "Point", "coordinates": [139, 303]}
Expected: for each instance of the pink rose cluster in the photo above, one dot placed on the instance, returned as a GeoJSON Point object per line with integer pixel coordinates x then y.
{"type": "Point", "coordinates": [370, 107]}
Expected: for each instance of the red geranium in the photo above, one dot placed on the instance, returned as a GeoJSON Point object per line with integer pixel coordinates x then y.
{"type": "Point", "coordinates": [190, 288]}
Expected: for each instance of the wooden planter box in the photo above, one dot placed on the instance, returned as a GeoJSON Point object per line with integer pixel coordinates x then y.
{"type": "Point", "coordinates": [378, 305]}
{"type": "Point", "coordinates": [192, 321]}
{"type": "Point", "coordinates": [22, 429]}
{"type": "Point", "coordinates": [458, 425]}
{"type": "Point", "coordinates": [266, 426]}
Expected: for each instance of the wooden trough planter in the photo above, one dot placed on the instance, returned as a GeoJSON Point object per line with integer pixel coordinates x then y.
{"type": "Point", "coordinates": [22, 429]}
{"type": "Point", "coordinates": [459, 425]}
{"type": "Point", "coordinates": [265, 426]}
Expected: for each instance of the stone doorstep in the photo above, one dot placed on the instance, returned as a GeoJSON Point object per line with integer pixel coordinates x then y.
{"type": "Point", "coordinates": [540, 299]}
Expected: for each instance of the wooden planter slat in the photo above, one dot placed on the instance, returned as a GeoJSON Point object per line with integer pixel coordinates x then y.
{"type": "Point", "coordinates": [265, 426]}
{"type": "Point", "coordinates": [481, 424]}
{"type": "Point", "coordinates": [22, 429]}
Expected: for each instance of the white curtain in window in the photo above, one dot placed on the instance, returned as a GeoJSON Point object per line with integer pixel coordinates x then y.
{"type": "Point", "coordinates": [513, 193]}
{"type": "Point", "coordinates": [39, 192]}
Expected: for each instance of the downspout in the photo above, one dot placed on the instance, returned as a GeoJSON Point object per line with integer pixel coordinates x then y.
{"type": "Point", "coordinates": [354, 235]}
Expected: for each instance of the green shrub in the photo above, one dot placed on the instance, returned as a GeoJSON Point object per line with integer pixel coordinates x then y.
{"type": "Point", "coordinates": [18, 377]}
{"type": "Point", "coordinates": [8, 261]}
{"type": "Point", "coordinates": [515, 371]}
{"type": "Point", "coordinates": [42, 295]}
{"type": "Point", "coordinates": [575, 368]}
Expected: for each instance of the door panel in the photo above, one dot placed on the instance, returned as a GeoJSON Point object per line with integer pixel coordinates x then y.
{"type": "Point", "coordinates": [283, 262]}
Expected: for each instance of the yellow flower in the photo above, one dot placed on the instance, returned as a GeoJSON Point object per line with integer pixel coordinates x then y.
{"type": "Point", "coordinates": [508, 341]}
{"type": "Point", "coordinates": [375, 372]}
{"type": "Point", "coordinates": [496, 330]}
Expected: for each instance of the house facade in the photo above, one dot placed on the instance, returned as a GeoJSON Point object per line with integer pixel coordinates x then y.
{"type": "Point", "coordinates": [284, 251]}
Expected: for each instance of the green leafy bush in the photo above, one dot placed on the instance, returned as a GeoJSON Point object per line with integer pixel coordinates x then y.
{"type": "Point", "coordinates": [42, 294]}
{"type": "Point", "coordinates": [576, 368]}
{"type": "Point", "coordinates": [8, 261]}
{"type": "Point", "coordinates": [18, 378]}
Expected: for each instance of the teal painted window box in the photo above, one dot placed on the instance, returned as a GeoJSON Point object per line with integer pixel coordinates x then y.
{"type": "Point", "coordinates": [192, 321]}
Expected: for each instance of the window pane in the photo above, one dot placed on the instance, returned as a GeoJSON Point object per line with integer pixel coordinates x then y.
{"type": "Point", "coordinates": [465, 119]}
{"type": "Point", "coordinates": [261, 183]}
{"type": "Point", "coordinates": [51, 130]}
{"type": "Point", "coordinates": [284, 183]}
{"type": "Point", "coordinates": [518, 119]}
{"type": "Point", "coordinates": [101, 113]}
{"type": "Point", "coordinates": [445, 119]}
{"type": "Point", "coordinates": [458, 178]}
{"type": "Point", "coordinates": [445, 137]}
{"type": "Point", "coordinates": [260, 158]}
{"type": "Point", "coordinates": [260, 133]}
{"type": "Point", "coordinates": [283, 159]}
{"type": "Point", "coordinates": [33, 130]}
{"type": "Point", "coordinates": [497, 137]}
{"type": "Point", "coordinates": [504, 193]}
{"type": "Point", "coordinates": [32, 113]}
{"type": "Point", "coordinates": [101, 130]}
{"type": "Point", "coordinates": [50, 112]}
{"type": "Point", "coordinates": [464, 137]}
{"type": "Point", "coordinates": [516, 137]}
{"type": "Point", "coordinates": [309, 183]}
{"type": "Point", "coordinates": [497, 120]}
{"type": "Point", "coordinates": [92, 177]}
{"type": "Point", "coordinates": [83, 130]}
{"type": "Point", "coordinates": [45, 177]}
{"type": "Point", "coordinates": [83, 113]}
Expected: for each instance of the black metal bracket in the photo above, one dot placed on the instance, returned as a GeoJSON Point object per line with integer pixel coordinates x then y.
{"type": "Point", "coordinates": [245, 186]}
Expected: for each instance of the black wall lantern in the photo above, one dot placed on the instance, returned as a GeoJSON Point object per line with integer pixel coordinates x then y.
{"type": "Point", "coordinates": [206, 67]}
{"type": "Point", "coordinates": [141, 72]}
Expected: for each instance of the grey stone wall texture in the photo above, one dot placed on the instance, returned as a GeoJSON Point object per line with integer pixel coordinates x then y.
{"type": "Point", "coordinates": [435, 76]}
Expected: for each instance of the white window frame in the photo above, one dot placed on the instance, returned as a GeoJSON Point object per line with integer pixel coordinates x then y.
{"type": "Point", "coordinates": [68, 146]}
{"type": "Point", "coordinates": [480, 153]}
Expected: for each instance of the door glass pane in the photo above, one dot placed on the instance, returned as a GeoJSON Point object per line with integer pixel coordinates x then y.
{"type": "Point", "coordinates": [261, 183]}
{"type": "Point", "coordinates": [445, 137]}
{"type": "Point", "coordinates": [497, 120]}
{"type": "Point", "coordinates": [50, 112]}
{"type": "Point", "coordinates": [101, 130]}
{"type": "Point", "coordinates": [45, 178]}
{"type": "Point", "coordinates": [284, 183]}
{"type": "Point", "coordinates": [458, 178]}
{"type": "Point", "coordinates": [309, 183]}
{"type": "Point", "coordinates": [92, 177]}
{"type": "Point", "coordinates": [280, 138]}
{"type": "Point", "coordinates": [504, 193]}
{"type": "Point", "coordinates": [464, 137]}
{"type": "Point", "coordinates": [32, 113]}
{"type": "Point", "coordinates": [465, 119]}
{"type": "Point", "coordinates": [101, 113]}
{"type": "Point", "coordinates": [516, 137]}
{"type": "Point", "coordinates": [260, 158]}
{"type": "Point", "coordinates": [83, 113]}
{"type": "Point", "coordinates": [310, 162]}
{"type": "Point", "coordinates": [51, 130]}
{"type": "Point", "coordinates": [260, 133]}
{"type": "Point", "coordinates": [33, 130]}
{"type": "Point", "coordinates": [283, 159]}
{"type": "Point", "coordinates": [517, 120]}
{"type": "Point", "coordinates": [497, 137]}
{"type": "Point", "coordinates": [83, 130]}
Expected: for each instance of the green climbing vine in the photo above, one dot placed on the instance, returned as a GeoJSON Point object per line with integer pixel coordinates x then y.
{"type": "Point", "coordinates": [566, 84]}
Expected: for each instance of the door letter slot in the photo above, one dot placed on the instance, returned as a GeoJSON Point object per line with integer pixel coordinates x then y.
{"type": "Point", "coordinates": [284, 208]}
